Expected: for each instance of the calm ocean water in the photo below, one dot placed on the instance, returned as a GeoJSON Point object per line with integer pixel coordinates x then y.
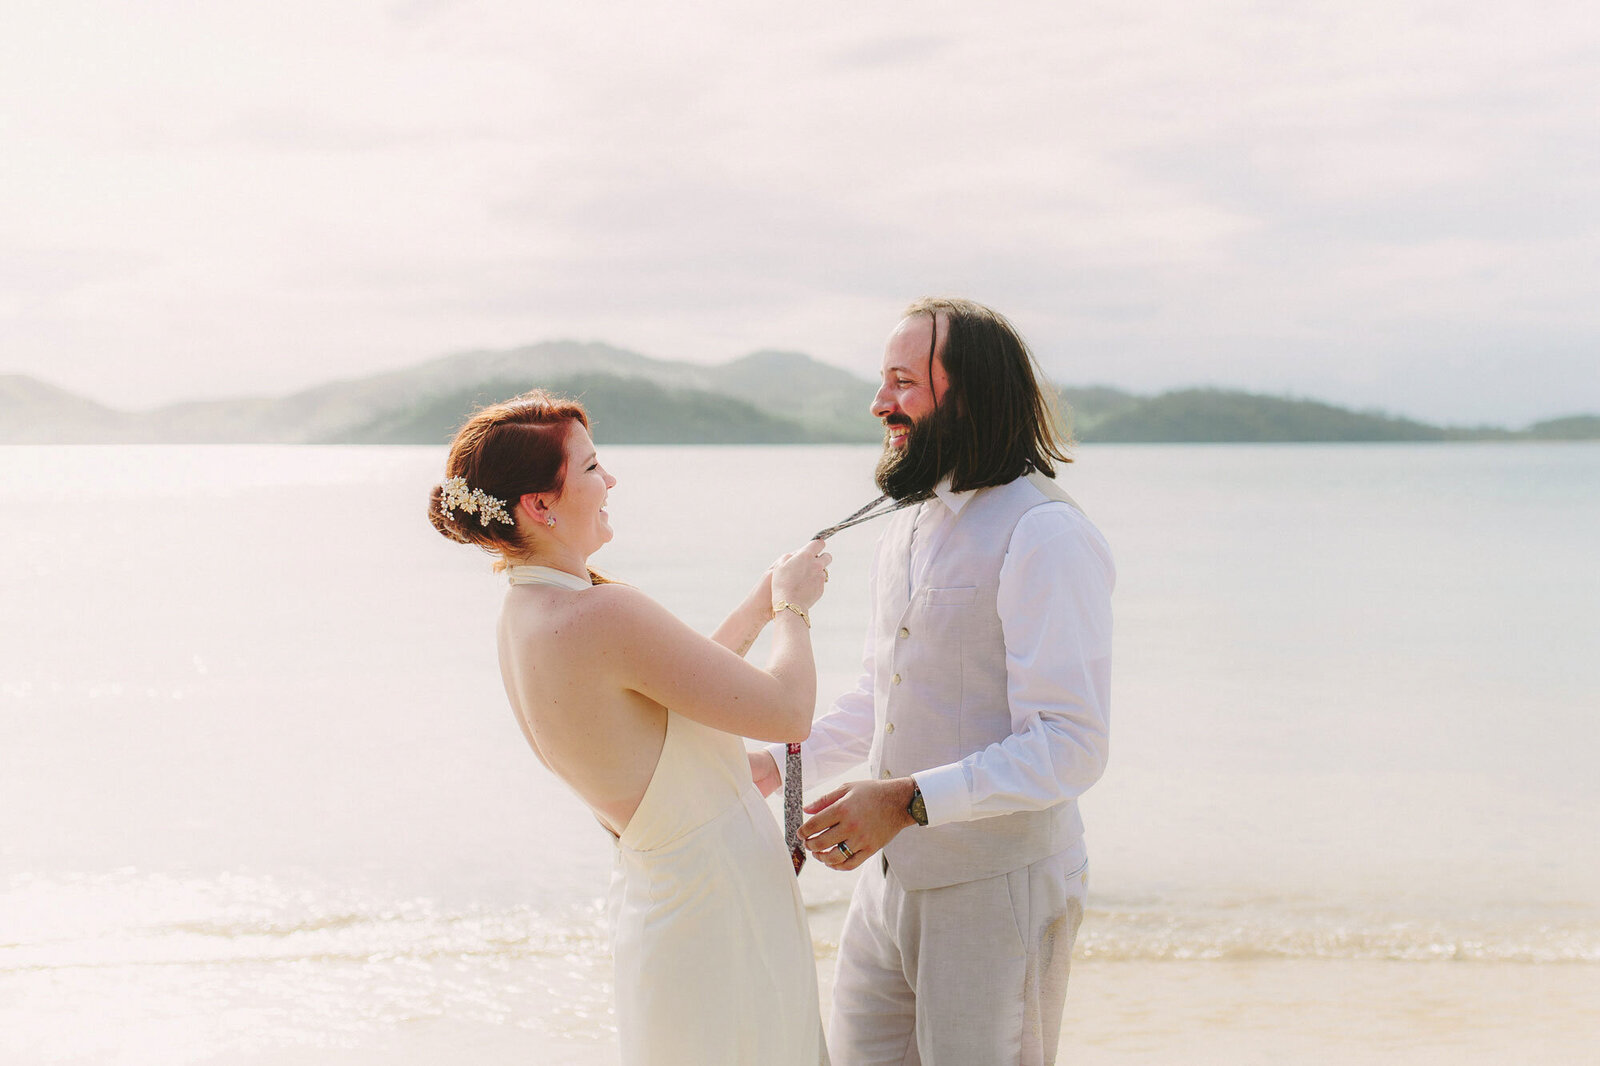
{"type": "Point", "coordinates": [259, 789]}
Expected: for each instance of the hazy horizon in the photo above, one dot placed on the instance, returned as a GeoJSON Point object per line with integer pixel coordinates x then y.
{"type": "Point", "coordinates": [1378, 206]}
{"type": "Point", "coordinates": [116, 405]}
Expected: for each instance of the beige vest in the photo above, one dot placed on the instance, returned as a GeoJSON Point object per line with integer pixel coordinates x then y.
{"type": "Point", "coordinates": [940, 685]}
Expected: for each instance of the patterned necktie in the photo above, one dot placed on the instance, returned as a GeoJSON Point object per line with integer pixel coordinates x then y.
{"type": "Point", "coordinates": [791, 807]}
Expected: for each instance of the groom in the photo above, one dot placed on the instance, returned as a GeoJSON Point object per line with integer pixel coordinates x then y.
{"type": "Point", "coordinates": [982, 715]}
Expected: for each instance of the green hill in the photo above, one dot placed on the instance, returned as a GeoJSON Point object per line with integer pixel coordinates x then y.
{"type": "Point", "coordinates": [1214, 415]}
{"type": "Point", "coordinates": [35, 412]}
{"type": "Point", "coordinates": [1086, 407]}
{"type": "Point", "coordinates": [621, 411]}
{"type": "Point", "coordinates": [833, 403]}
{"type": "Point", "coordinates": [1577, 427]}
{"type": "Point", "coordinates": [764, 397]}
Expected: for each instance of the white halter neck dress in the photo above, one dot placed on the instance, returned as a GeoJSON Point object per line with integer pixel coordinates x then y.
{"type": "Point", "coordinates": [714, 964]}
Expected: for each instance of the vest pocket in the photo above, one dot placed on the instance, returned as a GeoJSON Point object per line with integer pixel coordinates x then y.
{"type": "Point", "coordinates": [960, 596]}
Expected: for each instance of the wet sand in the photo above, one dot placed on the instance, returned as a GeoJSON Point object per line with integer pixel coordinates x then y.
{"type": "Point", "coordinates": [1315, 1011]}
{"type": "Point", "coordinates": [1262, 1013]}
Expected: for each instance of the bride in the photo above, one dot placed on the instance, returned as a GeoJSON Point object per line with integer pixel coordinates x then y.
{"type": "Point", "coordinates": [641, 716]}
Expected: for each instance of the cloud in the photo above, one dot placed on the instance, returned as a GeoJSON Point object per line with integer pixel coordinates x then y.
{"type": "Point", "coordinates": [1311, 197]}
{"type": "Point", "coordinates": [298, 131]}
{"type": "Point", "coordinates": [890, 50]}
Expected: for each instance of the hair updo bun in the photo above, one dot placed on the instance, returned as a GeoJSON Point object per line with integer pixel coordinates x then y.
{"type": "Point", "coordinates": [463, 528]}
{"type": "Point", "coordinates": [446, 521]}
{"type": "Point", "coordinates": [503, 452]}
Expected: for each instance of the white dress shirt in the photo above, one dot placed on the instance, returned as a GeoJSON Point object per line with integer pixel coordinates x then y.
{"type": "Point", "coordinates": [1055, 611]}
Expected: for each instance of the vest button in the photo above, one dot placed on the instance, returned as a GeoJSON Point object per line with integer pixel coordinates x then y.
{"type": "Point", "coordinates": [895, 679]}
{"type": "Point", "coordinates": [889, 728]}
{"type": "Point", "coordinates": [904, 632]}
{"type": "Point", "coordinates": [884, 775]}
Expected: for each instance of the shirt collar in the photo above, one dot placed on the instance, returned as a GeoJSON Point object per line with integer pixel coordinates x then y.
{"type": "Point", "coordinates": [949, 497]}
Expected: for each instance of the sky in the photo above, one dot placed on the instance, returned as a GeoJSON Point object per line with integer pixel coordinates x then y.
{"type": "Point", "coordinates": [1384, 204]}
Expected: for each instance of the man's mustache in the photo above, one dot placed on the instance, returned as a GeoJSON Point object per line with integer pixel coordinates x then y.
{"type": "Point", "coordinates": [897, 420]}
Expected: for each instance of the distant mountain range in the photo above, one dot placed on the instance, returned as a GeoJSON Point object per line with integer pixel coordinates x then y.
{"type": "Point", "coordinates": [764, 397]}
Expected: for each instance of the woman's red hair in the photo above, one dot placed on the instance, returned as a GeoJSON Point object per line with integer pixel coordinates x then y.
{"type": "Point", "coordinates": [508, 450]}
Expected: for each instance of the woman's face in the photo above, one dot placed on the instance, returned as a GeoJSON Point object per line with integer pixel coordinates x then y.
{"type": "Point", "coordinates": [581, 519]}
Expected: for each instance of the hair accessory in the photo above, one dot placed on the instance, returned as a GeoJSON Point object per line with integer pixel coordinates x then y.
{"type": "Point", "coordinates": [472, 501]}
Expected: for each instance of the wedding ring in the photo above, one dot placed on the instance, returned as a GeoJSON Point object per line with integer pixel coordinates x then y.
{"type": "Point", "coordinates": [844, 849]}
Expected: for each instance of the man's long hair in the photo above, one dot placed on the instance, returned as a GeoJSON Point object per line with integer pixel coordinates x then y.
{"type": "Point", "coordinates": [995, 423]}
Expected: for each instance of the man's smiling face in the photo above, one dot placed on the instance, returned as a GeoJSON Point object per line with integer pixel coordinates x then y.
{"type": "Point", "coordinates": [911, 388]}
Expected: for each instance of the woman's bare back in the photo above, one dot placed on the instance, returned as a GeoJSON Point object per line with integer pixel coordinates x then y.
{"type": "Point", "coordinates": [603, 740]}
{"type": "Point", "coordinates": [591, 669]}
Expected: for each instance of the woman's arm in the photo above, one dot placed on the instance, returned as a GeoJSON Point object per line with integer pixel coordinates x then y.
{"type": "Point", "coordinates": [738, 631]}
{"type": "Point", "coordinates": [645, 648]}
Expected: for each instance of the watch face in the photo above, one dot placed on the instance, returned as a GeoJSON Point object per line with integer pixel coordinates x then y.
{"type": "Point", "coordinates": [917, 808]}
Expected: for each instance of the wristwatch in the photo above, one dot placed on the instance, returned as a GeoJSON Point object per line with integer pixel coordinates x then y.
{"type": "Point", "coordinates": [917, 808]}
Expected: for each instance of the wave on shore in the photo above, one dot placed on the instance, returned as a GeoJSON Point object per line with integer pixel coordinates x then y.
{"type": "Point", "coordinates": [133, 919]}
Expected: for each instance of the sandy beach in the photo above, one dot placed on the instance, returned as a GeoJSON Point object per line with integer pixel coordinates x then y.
{"type": "Point", "coordinates": [1266, 1013]}
{"type": "Point", "coordinates": [1315, 1011]}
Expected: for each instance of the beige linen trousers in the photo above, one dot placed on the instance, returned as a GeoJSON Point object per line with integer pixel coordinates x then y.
{"type": "Point", "coordinates": [970, 974]}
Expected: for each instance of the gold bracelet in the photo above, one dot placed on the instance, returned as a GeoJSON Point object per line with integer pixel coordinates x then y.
{"type": "Point", "coordinates": [785, 605]}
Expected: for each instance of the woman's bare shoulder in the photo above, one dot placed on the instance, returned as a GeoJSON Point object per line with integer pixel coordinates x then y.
{"type": "Point", "coordinates": [612, 608]}
{"type": "Point", "coordinates": [615, 609]}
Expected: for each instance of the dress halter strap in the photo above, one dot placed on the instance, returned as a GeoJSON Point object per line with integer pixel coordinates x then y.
{"type": "Point", "coordinates": [545, 575]}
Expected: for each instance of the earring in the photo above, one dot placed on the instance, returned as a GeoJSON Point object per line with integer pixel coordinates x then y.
{"type": "Point", "coordinates": [551, 521]}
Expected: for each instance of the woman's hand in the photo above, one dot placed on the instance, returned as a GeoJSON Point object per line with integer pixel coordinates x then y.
{"type": "Point", "coordinates": [798, 578]}
{"type": "Point", "coordinates": [740, 629]}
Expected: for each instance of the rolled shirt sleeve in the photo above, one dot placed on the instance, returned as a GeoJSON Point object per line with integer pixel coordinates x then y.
{"type": "Point", "coordinates": [1055, 611]}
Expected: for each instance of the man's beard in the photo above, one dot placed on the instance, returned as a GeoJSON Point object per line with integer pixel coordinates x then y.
{"type": "Point", "coordinates": [911, 471]}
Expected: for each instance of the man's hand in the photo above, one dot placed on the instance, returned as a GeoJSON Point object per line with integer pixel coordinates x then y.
{"type": "Point", "coordinates": [864, 815]}
{"type": "Point", "coordinates": [764, 772]}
